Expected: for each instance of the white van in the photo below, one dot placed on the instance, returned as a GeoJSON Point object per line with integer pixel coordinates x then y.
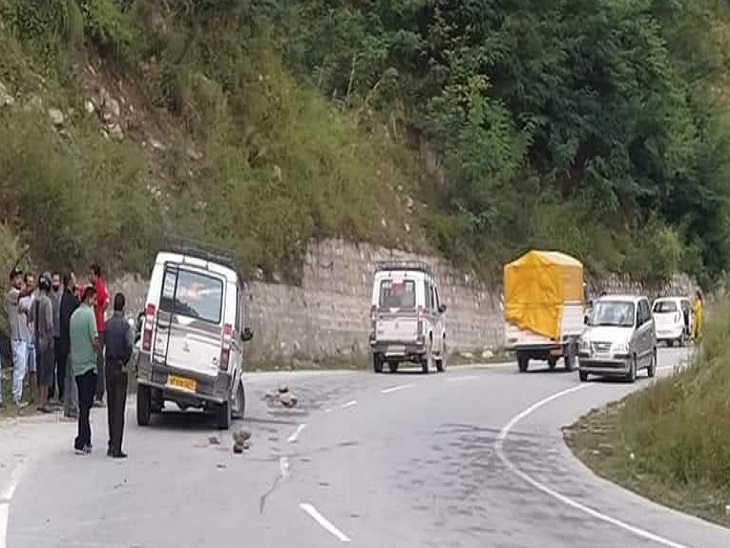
{"type": "Point", "coordinates": [407, 317]}
{"type": "Point", "coordinates": [192, 336]}
{"type": "Point", "coordinates": [673, 319]}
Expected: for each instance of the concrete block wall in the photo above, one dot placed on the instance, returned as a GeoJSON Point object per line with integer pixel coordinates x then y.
{"type": "Point", "coordinates": [328, 315]}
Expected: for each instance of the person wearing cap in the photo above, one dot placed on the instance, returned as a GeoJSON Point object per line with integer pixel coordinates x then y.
{"type": "Point", "coordinates": [41, 320]}
{"type": "Point", "coordinates": [85, 352]}
{"type": "Point", "coordinates": [119, 343]}
{"type": "Point", "coordinates": [19, 346]}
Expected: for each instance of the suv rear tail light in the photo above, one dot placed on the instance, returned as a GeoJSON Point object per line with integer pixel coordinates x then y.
{"type": "Point", "coordinates": [421, 315]}
{"type": "Point", "coordinates": [226, 338]}
{"type": "Point", "coordinates": [149, 323]}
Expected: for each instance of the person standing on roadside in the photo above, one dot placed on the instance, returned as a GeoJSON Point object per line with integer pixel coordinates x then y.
{"type": "Point", "coordinates": [19, 348]}
{"type": "Point", "coordinates": [85, 355]}
{"type": "Point", "coordinates": [24, 306]}
{"type": "Point", "coordinates": [56, 295]}
{"type": "Point", "coordinates": [69, 304]}
{"type": "Point", "coordinates": [41, 318]}
{"type": "Point", "coordinates": [697, 316]}
{"type": "Point", "coordinates": [119, 344]}
{"type": "Point", "coordinates": [102, 303]}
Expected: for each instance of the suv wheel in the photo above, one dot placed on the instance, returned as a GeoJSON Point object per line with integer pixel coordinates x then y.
{"type": "Point", "coordinates": [144, 405]}
{"type": "Point", "coordinates": [427, 360]}
{"type": "Point", "coordinates": [393, 367]}
{"type": "Point", "coordinates": [651, 370]}
{"type": "Point", "coordinates": [378, 363]}
{"type": "Point", "coordinates": [225, 415]}
{"type": "Point", "coordinates": [239, 402]}
{"type": "Point", "coordinates": [631, 375]}
{"type": "Point", "coordinates": [441, 360]}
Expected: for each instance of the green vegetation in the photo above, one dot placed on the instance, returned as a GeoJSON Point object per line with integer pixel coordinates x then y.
{"type": "Point", "coordinates": [597, 129]}
{"type": "Point", "coordinates": [670, 442]}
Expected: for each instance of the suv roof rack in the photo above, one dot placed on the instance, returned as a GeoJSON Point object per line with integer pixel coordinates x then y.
{"type": "Point", "coordinates": [418, 266]}
{"type": "Point", "coordinates": [199, 250]}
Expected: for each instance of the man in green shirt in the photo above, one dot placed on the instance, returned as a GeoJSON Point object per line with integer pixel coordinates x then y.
{"type": "Point", "coordinates": [85, 351]}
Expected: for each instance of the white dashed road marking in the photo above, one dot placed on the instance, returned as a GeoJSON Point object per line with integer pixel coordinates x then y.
{"type": "Point", "coordinates": [348, 404]}
{"type": "Point", "coordinates": [293, 438]}
{"type": "Point", "coordinates": [395, 388]}
{"type": "Point", "coordinates": [284, 467]}
{"type": "Point", "coordinates": [326, 525]}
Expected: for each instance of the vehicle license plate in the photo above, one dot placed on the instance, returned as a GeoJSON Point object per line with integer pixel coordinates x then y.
{"type": "Point", "coordinates": [556, 352]}
{"type": "Point", "coordinates": [395, 349]}
{"type": "Point", "coordinates": [181, 382]}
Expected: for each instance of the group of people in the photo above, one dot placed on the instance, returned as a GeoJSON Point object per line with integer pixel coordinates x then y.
{"type": "Point", "coordinates": [67, 351]}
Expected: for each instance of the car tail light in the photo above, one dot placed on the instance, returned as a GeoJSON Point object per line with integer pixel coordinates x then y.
{"type": "Point", "coordinates": [373, 312]}
{"type": "Point", "coordinates": [226, 338]}
{"type": "Point", "coordinates": [421, 315]}
{"type": "Point", "coordinates": [149, 323]}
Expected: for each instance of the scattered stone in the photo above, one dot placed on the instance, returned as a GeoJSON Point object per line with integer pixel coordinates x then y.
{"type": "Point", "coordinates": [288, 400]}
{"type": "Point", "coordinates": [213, 440]}
{"type": "Point", "coordinates": [487, 355]}
{"type": "Point", "coordinates": [283, 389]}
{"type": "Point", "coordinates": [237, 449]}
{"type": "Point", "coordinates": [6, 99]}
{"type": "Point", "coordinates": [241, 435]}
{"type": "Point", "coordinates": [115, 130]}
{"type": "Point", "coordinates": [247, 444]}
{"type": "Point", "coordinates": [467, 355]}
{"type": "Point", "coordinates": [56, 117]}
{"type": "Point", "coordinates": [220, 465]}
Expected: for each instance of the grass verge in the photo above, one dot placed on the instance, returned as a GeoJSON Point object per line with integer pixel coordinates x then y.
{"type": "Point", "coordinates": [670, 442]}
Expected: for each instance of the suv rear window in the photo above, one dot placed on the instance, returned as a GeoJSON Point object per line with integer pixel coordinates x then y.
{"type": "Point", "coordinates": [398, 294]}
{"type": "Point", "coordinates": [192, 294]}
{"type": "Point", "coordinates": [665, 306]}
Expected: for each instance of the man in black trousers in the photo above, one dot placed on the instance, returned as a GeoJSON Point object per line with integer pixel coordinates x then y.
{"type": "Point", "coordinates": [119, 339]}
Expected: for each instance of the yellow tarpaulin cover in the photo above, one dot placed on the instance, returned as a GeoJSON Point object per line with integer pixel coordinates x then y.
{"type": "Point", "coordinates": [535, 287]}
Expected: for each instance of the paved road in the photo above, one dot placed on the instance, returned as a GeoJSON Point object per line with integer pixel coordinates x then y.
{"type": "Point", "coordinates": [472, 458]}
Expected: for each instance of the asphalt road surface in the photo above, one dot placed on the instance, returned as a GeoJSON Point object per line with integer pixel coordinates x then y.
{"type": "Point", "coordinates": [470, 458]}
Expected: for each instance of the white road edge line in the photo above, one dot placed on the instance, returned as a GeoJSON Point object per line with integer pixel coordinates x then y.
{"type": "Point", "coordinates": [5, 498]}
{"type": "Point", "coordinates": [293, 438]}
{"type": "Point", "coordinates": [498, 447]}
{"type": "Point", "coordinates": [322, 521]}
{"type": "Point", "coordinates": [348, 404]}
{"type": "Point", "coordinates": [396, 388]}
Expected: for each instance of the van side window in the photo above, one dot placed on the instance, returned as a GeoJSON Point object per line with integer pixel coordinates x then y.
{"type": "Point", "coordinates": [427, 293]}
{"type": "Point", "coordinates": [645, 312]}
{"type": "Point", "coordinates": [438, 297]}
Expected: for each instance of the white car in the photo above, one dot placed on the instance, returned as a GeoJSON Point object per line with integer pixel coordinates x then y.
{"type": "Point", "coordinates": [673, 319]}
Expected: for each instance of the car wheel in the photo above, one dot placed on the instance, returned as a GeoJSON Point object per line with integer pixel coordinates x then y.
{"type": "Point", "coordinates": [239, 402]}
{"type": "Point", "coordinates": [583, 376]}
{"type": "Point", "coordinates": [682, 340]}
{"type": "Point", "coordinates": [441, 360]}
{"type": "Point", "coordinates": [378, 363]}
{"type": "Point", "coordinates": [393, 367]}
{"type": "Point", "coordinates": [523, 362]}
{"type": "Point", "coordinates": [631, 375]}
{"type": "Point", "coordinates": [670, 343]}
{"type": "Point", "coordinates": [552, 362]}
{"type": "Point", "coordinates": [651, 370]}
{"type": "Point", "coordinates": [569, 357]}
{"type": "Point", "coordinates": [144, 405]}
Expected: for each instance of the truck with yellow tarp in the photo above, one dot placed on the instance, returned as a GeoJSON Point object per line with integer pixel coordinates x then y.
{"type": "Point", "coordinates": [544, 308]}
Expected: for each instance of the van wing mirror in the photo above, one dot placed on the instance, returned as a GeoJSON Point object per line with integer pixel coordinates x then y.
{"type": "Point", "coordinates": [246, 334]}
{"type": "Point", "coordinates": [442, 308]}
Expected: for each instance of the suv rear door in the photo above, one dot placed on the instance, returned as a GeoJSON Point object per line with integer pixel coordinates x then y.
{"type": "Point", "coordinates": [397, 318]}
{"type": "Point", "coordinates": [188, 334]}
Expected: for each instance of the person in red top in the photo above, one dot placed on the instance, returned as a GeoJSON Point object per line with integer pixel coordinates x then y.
{"type": "Point", "coordinates": [102, 302]}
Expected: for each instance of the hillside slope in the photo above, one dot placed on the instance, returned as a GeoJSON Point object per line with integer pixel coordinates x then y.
{"type": "Point", "coordinates": [478, 128]}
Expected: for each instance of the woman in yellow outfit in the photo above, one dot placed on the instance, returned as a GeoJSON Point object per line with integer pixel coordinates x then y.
{"type": "Point", "coordinates": [697, 316]}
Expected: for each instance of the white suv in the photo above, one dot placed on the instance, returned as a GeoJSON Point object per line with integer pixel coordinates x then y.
{"type": "Point", "coordinates": [673, 318]}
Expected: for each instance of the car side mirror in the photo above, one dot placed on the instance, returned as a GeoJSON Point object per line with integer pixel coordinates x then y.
{"type": "Point", "coordinates": [442, 308]}
{"type": "Point", "coordinates": [246, 334]}
{"type": "Point", "coordinates": [585, 319]}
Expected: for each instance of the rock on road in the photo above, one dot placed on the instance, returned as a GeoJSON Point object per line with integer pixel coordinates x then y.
{"type": "Point", "coordinates": [471, 458]}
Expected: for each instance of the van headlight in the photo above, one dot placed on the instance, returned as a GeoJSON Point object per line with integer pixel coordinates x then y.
{"type": "Point", "coordinates": [620, 348]}
{"type": "Point", "coordinates": [584, 345]}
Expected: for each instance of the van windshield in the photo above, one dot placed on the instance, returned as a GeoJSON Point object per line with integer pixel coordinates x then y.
{"type": "Point", "coordinates": [665, 306]}
{"type": "Point", "coordinates": [192, 294]}
{"type": "Point", "coordinates": [613, 313]}
{"type": "Point", "coordinates": [398, 294]}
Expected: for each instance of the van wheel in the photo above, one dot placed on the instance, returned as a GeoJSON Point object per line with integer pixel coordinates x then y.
{"type": "Point", "coordinates": [239, 402]}
{"type": "Point", "coordinates": [583, 376]}
{"type": "Point", "coordinates": [523, 362]}
{"type": "Point", "coordinates": [144, 405]}
{"type": "Point", "coordinates": [225, 415]}
{"type": "Point", "coordinates": [670, 343]}
{"type": "Point", "coordinates": [393, 367]}
{"type": "Point", "coordinates": [427, 360]}
{"type": "Point", "coordinates": [378, 363]}
{"type": "Point", "coordinates": [441, 360]}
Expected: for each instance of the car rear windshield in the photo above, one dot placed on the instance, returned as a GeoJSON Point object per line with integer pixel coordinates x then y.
{"type": "Point", "coordinates": [192, 294]}
{"type": "Point", "coordinates": [613, 313]}
{"type": "Point", "coordinates": [399, 294]}
{"type": "Point", "coordinates": [665, 306]}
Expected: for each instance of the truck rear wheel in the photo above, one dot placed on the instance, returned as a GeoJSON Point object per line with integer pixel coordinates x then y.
{"type": "Point", "coordinates": [523, 362]}
{"type": "Point", "coordinates": [144, 405]}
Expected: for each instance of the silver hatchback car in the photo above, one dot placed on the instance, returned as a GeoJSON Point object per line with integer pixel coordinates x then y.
{"type": "Point", "coordinates": [619, 338]}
